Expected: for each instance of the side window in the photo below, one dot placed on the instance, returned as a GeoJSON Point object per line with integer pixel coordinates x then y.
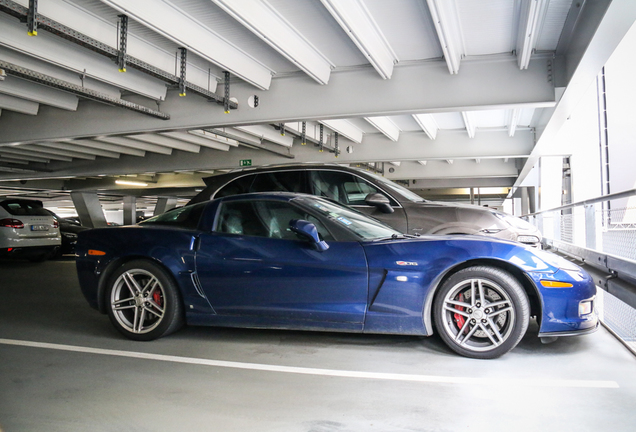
{"type": "Point", "coordinates": [239, 186]}
{"type": "Point", "coordinates": [264, 218]}
{"type": "Point", "coordinates": [343, 187]}
{"type": "Point", "coordinates": [281, 181]}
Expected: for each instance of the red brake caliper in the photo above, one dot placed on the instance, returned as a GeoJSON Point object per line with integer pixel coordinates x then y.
{"type": "Point", "coordinates": [156, 296]}
{"type": "Point", "coordinates": [459, 319]}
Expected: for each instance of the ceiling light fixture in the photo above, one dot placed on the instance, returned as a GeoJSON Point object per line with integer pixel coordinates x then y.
{"type": "Point", "coordinates": [130, 183]}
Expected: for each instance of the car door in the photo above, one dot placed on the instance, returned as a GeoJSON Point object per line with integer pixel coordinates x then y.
{"type": "Point", "coordinates": [351, 190]}
{"type": "Point", "coordinates": [252, 265]}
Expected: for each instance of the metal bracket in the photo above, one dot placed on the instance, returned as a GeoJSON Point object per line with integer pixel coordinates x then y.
{"type": "Point", "coordinates": [320, 143]}
{"type": "Point", "coordinates": [123, 42]}
{"type": "Point", "coordinates": [336, 149]}
{"type": "Point", "coordinates": [303, 136]}
{"type": "Point", "coordinates": [226, 98]}
{"type": "Point", "coordinates": [182, 71]}
{"type": "Point", "coordinates": [281, 127]}
{"type": "Point", "coordinates": [32, 21]}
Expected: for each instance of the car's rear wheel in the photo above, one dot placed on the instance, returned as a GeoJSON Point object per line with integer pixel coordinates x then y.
{"type": "Point", "coordinates": [481, 312]}
{"type": "Point", "coordinates": [143, 301]}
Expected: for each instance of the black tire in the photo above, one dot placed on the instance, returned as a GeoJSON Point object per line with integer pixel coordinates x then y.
{"type": "Point", "coordinates": [143, 302]}
{"type": "Point", "coordinates": [481, 312]}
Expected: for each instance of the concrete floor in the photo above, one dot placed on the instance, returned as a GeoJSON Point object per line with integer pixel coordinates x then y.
{"type": "Point", "coordinates": [90, 378]}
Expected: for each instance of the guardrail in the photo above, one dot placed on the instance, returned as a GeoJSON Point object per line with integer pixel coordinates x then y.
{"type": "Point", "coordinates": [601, 233]}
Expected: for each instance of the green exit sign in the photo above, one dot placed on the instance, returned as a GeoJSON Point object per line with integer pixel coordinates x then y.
{"type": "Point", "coordinates": [245, 162]}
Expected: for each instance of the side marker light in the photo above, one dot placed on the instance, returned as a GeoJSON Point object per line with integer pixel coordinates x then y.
{"type": "Point", "coordinates": [95, 252]}
{"type": "Point", "coordinates": [555, 284]}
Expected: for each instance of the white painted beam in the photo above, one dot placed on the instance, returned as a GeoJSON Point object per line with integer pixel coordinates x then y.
{"type": "Point", "coordinates": [30, 151]}
{"type": "Point", "coordinates": [345, 128]}
{"type": "Point", "coordinates": [214, 137]}
{"type": "Point", "coordinates": [386, 126]}
{"type": "Point", "coordinates": [53, 49]}
{"type": "Point", "coordinates": [355, 93]}
{"type": "Point", "coordinates": [105, 31]}
{"type": "Point", "coordinates": [11, 159]}
{"type": "Point", "coordinates": [267, 133]}
{"type": "Point", "coordinates": [38, 93]}
{"type": "Point", "coordinates": [268, 25]}
{"type": "Point", "coordinates": [447, 25]}
{"type": "Point", "coordinates": [91, 144]}
{"type": "Point", "coordinates": [412, 146]}
{"type": "Point", "coordinates": [357, 23]}
{"type": "Point", "coordinates": [23, 156]}
{"type": "Point", "coordinates": [460, 169]}
{"type": "Point", "coordinates": [166, 142]}
{"type": "Point", "coordinates": [51, 152]}
{"type": "Point", "coordinates": [80, 149]}
{"type": "Point", "coordinates": [513, 121]}
{"type": "Point", "coordinates": [312, 130]}
{"type": "Point", "coordinates": [428, 124]}
{"type": "Point", "coordinates": [22, 106]}
{"type": "Point", "coordinates": [165, 18]}
{"type": "Point", "coordinates": [470, 123]}
{"type": "Point", "coordinates": [531, 17]}
{"type": "Point", "coordinates": [203, 142]}
{"type": "Point", "coordinates": [134, 144]}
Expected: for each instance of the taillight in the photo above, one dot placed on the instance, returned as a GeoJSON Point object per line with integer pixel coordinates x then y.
{"type": "Point", "coordinates": [11, 223]}
{"type": "Point", "coordinates": [55, 224]}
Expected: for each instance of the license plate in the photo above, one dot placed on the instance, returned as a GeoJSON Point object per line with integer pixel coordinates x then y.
{"type": "Point", "coordinates": [39, 227]}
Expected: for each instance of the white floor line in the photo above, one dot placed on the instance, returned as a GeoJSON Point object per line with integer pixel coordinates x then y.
{"type": "Point", "coordinates": [506, 382]}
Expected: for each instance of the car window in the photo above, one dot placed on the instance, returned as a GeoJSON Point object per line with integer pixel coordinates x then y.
{"type": "Point", "coordinates": [186, 217]}
{"type": "Point", "coordinates": [343, 187]}
{"type": "Point", "coordinates": [360, 225]}
{"type": "Point", "coordinates": [281, 181]}
{"type": "Point", "coordinates": [239, 186]}
{"type": "Point", "coordinates": [24, 208]}
{"type": "Point", "coordinates": [263, 218]}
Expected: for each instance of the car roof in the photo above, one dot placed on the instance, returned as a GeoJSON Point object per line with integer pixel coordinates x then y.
{"type": "Point", "coordinates": [247, 170]}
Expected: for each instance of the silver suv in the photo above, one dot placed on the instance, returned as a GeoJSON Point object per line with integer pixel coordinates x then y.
{"type": "Point", "coordinates": [375, 196]}
{"type": "Point", "coordinates": [27, 230]}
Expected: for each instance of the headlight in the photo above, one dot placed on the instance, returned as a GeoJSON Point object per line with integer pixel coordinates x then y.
{"type": "Point", "coordinates": [515, 222]}
{"type": "Point", "coordinates": [528, 239]}
{"type": "Point", "coordinates": [556, 261]}
{"type": "Point", "coordinates": [586, 307]}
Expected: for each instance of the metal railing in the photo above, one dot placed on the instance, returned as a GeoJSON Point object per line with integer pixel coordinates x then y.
{"type": "Point", "coordinates": [601, 233]}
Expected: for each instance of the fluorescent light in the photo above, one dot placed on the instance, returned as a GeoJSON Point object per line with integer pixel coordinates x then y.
{"type": "Point", "coordinates": [130, 183]}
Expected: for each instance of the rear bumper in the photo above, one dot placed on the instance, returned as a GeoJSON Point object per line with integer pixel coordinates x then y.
{"type": "Point", "coordinates": [28, 252]}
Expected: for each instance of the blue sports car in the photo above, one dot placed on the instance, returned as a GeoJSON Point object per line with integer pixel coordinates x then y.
{"type": "Point", "coordinates": [292, 261]}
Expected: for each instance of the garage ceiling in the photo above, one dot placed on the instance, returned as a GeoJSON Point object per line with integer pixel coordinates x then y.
{"type": "Point", "coordinates": [446, 93]}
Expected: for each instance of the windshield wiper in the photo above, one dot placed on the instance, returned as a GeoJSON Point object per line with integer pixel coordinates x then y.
{"type": "Point", "coordinates": [395, 237]}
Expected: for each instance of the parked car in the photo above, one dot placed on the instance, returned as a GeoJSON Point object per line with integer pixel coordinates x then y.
{"type": "Point", "coordinates": [27, 230]}
{"type": "Point", "coordinates": [69, 227]}
{"type": "Point", "coordinates": [376, 196]}
{"type": "Point", "coordinates": [297, 261]}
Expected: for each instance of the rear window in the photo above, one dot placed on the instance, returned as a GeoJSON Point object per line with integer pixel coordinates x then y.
{"type": "Point", "coordinates": [185, 217]}
{"type": "Point", "coordinates": [24, 208]}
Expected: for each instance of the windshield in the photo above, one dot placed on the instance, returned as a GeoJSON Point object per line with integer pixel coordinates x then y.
{"type": "Point", "coordinates": [409, 195]}
{"type": "Point", "coordinates": [359, 224]}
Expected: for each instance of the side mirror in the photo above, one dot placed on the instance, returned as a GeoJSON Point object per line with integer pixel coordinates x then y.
{"type": "Point", "coordinates": [379, 201]}
{"type": "Point", "coordinates": [308, 231]}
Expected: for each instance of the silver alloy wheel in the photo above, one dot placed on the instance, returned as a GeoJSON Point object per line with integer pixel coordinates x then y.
{"type": "Point", "coordinates": [478, 314]}
{"type": "Point", "coordinates": [137, 301]}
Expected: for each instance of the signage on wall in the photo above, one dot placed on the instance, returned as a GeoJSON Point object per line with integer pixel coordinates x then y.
{"type": "Point", "coordinates": [245, 162]}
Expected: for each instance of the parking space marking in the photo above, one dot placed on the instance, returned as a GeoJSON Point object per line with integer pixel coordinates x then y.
{"type": "Point", "coordinates": [501, 382]}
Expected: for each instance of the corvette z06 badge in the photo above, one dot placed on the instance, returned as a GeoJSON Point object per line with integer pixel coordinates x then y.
{"type": "Point", "coordinates": [406, 263]}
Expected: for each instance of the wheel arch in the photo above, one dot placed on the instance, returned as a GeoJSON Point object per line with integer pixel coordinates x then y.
{"type": "Point", "coordinates": [111, 267]}
{"type": "Point", "coordinates": [530, 289]}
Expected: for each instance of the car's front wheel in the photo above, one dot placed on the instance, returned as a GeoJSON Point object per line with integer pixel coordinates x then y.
{"type": "Point", "coordinates": [481, 312]}
{"type": "Point", "coordinates": [143, 301]}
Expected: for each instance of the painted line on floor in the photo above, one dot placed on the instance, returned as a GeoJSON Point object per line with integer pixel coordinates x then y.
{"type": "Point", "coordinates": [505, 382]}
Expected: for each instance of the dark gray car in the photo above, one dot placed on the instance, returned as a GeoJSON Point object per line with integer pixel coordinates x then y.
{"type": "Point", "coordinates": [375, 196]}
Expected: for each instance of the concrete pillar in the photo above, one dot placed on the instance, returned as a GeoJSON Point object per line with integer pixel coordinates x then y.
{"type": "Point", "coordinates": [130, 210]}
{"type": "Point", "coordinates": [163, 205]}
{"type": "Point", "coordinates": [89, 209]}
